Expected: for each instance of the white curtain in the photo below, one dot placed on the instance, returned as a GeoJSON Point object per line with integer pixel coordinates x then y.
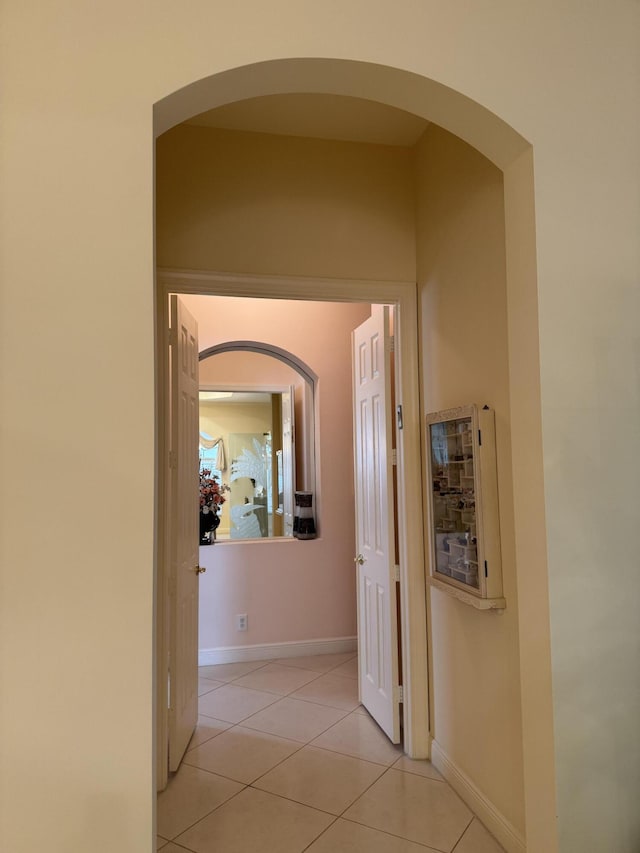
{"type": "Point", "coordinates": [209, 444]}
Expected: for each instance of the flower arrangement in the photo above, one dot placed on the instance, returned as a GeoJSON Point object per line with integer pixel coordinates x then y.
{"type": "Point", "coordinates": [211, 492]}
{"type": "Point", "coordinates": [211, 499]}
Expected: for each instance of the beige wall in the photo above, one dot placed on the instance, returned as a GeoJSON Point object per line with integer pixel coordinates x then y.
{"type": "Point", "coordinates": [461, 276]}
{"type": "Point", "coordinates": [76, 333]}
{"type": "Point", "coordinates": [253, 202]}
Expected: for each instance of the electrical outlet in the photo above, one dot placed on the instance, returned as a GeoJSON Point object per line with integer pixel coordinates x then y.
{"type": "Point", "coordinates": [242, 622]}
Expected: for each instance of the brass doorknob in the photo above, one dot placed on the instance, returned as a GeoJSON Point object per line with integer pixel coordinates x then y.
{"type": "Point", "coordinates": [200, 570]}
{"type": "Point", "coordinates": [359, 559]}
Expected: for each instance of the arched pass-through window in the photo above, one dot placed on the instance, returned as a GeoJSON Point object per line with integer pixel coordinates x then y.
{"type": "Point", "coordinates": [259, 399]}
{"type": "Point", "coordinates": [265, 349]}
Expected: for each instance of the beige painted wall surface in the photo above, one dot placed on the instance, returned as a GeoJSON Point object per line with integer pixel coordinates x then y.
{"type": "Point", "coordinates": [76, 174]}
{"type": "Point", "coordinates": [461, 274]}
{"type": "Point", "coordinates": [253, 202]}
{"type": "Point", "coordinates": [291, 590]}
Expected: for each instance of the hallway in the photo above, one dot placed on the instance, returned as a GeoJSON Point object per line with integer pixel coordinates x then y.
{"type": "Point", "coordinates": [285, 760]}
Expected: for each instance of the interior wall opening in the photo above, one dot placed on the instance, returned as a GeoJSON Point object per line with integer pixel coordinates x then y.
{"type": "Point", "coordinates": [195, 287]}
{"type": "Point", "coordinates": [330, 207]}
{"type": "Point", "coordinates": [245, 424]}
{"type": "Point", "coordinates": [491, 137]}
{"type": "Point", "coordinates": [293, 594]}
{"type": "Point", "coordinates": [257, 439]}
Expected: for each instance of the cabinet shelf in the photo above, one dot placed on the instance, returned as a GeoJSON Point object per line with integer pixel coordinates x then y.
{"type": "Point", "coordinates": [489, 604]}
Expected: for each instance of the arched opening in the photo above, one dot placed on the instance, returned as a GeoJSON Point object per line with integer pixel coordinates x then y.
{"type": "Point", "coordinates": [510, 153]}
{"type": "Point", "coordinates": [424, 97]}
{"type": "Point", "coordinates": [287, 358]}
{"type": "Point", "coordinates": [273, 373]}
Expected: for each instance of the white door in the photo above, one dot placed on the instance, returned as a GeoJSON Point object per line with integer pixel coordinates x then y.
{"type": "Point", "coordinates": [184, 570]}
{"type": "Point", "coordinates": [288, 458]}
{"type": "Point", "coordinates": [375, 543]}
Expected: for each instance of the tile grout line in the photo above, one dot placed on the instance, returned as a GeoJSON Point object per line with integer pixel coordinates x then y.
{"type": "Point", "coordinates": [393, 835]}
{"type": "Point", "coordinates": [276, 662]}
{"type": "Point", "coordinates": [316, 702]}
{"type": "Point", "coordinates": [311, 680]}
{"type": "Point", "coordinates": [317, 808]}
{"type": "Point", "coordinates": [399, 837]}
{"type": "Point", "coordinates": [301, 746]}
{"type": "Point", "coordinates": [243, 723]}
{"type": "Point", "coordinates": [318, 837]}
{"type": "Point", "coordinates": [350, 755]}
{"type": "Point", "coordinates": [191, 825]}
{"type": "Point", "coordinates": [464, 832]}
{"type": "Point", "coordinates": [245, 786]}
{"type": "Point", "coordinates": [250, 784]}
{"type": "Point", "coordinates": [285, 695]}
{"type": "Point", "coordinates": [179, 846]}
{"type": "Point", "coordinates": [262, 690]}
{"type": "Point", "coordinates": [297, 802]}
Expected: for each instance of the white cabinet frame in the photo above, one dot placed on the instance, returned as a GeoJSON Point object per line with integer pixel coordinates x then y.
{"type": "Point", "coordinates": [463, 516]}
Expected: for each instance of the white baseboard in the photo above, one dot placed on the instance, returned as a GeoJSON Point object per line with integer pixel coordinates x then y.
{"type": "Point", "coordinates": [271, 651]}
{"type": "Point", "coordinates": [497, 824]}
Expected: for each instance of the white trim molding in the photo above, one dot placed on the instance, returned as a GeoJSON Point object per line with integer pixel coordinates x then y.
{"type": "Point", "coordinates": [273, 651]}
{"type": "Point", "coordinates": [497, 824]}
{"type": "Point", "coordinates": [282, 286]}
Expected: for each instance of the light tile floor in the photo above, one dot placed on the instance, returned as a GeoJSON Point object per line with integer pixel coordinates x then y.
{"type": "Point", "coordinates": [285, 760]}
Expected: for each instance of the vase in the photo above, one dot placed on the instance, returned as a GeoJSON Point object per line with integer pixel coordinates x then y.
{"type": "Point", "coordinates": [209, 522]}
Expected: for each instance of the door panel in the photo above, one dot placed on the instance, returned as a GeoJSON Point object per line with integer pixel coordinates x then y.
{"type": "Point", "coordinates": [377, 611]}
{"type": "Point", "coordinates": [184, 536]}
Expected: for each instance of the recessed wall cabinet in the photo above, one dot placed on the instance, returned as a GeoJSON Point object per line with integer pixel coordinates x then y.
{"type": "Point", "coordinates": [463, 506]}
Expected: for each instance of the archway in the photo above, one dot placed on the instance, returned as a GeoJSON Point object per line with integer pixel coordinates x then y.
{"type": "Point", "coordinates": [427, 98]}
{"type": "Point", "coordinates": [265, 349]}
{"type": "Point", "coordinates": [512, 154]}
{"type": "Point", "coordinates": [257, 365]}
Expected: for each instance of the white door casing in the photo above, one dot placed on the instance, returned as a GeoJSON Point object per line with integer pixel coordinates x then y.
{"type": "Point", "coordinates": [375, 544]}
{"type": "Point", "coordinates": [288, 458]}
{"type": "Point", "coordinates": [184, 548]}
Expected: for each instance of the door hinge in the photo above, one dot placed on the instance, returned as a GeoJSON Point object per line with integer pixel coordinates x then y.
{"type": "Point", "coordinates": [399, 416]}
{"type": "Point", "coordinates": [486, 569]}
{"type": "Point", "coordinates": [480, 437]}
{"type": "Point", "coordinates": [172, 585]}
{"type": "Point", "coordinates": [394, 456]}
{"type": "Point", "coordinates": [396, 574]}
{"type": "Point", "coordinates": [398, 693]}
{"type": "Point", "coordinates": [392, 343]}
{"type": "Point", "coordinates": [173, 460]}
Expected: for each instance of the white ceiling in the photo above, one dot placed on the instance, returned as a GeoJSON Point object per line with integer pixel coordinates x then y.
{"type": "Point", "coordinates": [320, 116]}
{"type": "Point", "coordinates": [235, 397]}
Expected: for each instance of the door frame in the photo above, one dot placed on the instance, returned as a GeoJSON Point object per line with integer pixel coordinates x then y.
{"type": "Point", "coordinates": [403, 295]}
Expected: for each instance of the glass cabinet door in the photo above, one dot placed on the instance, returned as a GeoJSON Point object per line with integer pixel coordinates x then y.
{"type": "Point", "coordinates": [454, 500]}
